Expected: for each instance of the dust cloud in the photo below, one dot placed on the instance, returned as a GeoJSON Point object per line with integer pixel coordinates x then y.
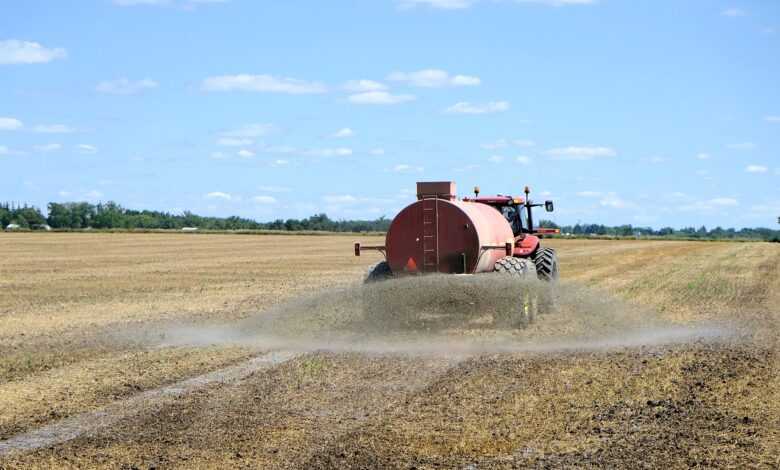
{"type": "Point", "coordinates": [451, 314]}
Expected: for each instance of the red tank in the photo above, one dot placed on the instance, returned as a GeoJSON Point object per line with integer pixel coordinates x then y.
{"type": "Point", "coordinates": [438, 233]}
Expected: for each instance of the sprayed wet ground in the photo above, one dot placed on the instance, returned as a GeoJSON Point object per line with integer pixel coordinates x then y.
{"type": "Point", "coordinates": [673, 362]}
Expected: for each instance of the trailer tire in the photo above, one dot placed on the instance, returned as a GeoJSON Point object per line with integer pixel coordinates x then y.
{"type": "Point", "coordinates": [546, 262]}
{"type": "Point", "coordinates": [378, 272]}
{"type": "Point", "coordinates": [524, 311]}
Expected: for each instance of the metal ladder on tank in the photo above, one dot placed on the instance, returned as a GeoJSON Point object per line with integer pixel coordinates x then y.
{"type": "Point", "coordinates": [430, 207]}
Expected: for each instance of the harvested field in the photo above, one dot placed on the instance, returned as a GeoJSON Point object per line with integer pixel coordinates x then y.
{"type": "Point", "coordinates": [660, 354]}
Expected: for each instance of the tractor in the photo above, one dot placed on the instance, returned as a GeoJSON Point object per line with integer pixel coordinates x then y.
{"type": "Point", "coordinates": [440, 233]}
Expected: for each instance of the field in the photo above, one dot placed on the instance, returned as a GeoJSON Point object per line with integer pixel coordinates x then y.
{"type": "Point", "coordinates": [663, 353]}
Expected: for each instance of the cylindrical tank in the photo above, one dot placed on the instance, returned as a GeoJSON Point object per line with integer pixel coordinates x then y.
{"type": "Point", "coordinates": [447, 236]}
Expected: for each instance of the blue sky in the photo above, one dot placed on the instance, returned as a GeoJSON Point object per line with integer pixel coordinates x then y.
{"type": "Point", "coordinates": [644, 112]}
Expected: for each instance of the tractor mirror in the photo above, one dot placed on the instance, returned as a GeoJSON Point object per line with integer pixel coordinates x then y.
{"type": "Point", "coordinates": [548, 206]}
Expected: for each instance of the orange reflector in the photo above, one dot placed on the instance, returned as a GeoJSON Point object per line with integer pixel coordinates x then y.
{"type": "Point", "coordinates": [410, 265]}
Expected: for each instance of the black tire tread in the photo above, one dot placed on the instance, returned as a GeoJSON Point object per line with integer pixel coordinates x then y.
{"type": "Point", "coordinates": [378, 272]}
{"type": "Point", "coordinates": [546, 262]}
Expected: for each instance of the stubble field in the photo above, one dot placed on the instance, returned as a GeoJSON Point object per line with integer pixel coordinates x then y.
{"type": "Point", "coordinates": [155, 350]}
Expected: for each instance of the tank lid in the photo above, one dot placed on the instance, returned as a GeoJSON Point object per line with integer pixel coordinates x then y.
{"type": "Point", "coordinates": [436, 189]}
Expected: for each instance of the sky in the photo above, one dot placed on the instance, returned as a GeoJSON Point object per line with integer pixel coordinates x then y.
{"type": "Point", "coordinates": [652, 113]}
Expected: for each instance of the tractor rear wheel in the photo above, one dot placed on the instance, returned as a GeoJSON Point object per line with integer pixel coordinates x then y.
{"type": "Point", "coordinates": [378, 272]}
{"type": "Point", "coordinates": [546, 263]}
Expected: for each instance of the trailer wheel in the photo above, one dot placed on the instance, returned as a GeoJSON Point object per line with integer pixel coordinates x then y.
{"type": "Point", "coordinates": [546, 263]}
{"type": "Point", "coordinates": [378, 272]}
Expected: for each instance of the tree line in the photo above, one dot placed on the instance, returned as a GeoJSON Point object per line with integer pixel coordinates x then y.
{"type": "Point", "coordinates": [110, 215]}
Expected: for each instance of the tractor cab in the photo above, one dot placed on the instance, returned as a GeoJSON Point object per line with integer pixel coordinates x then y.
{"type": "Point", "coordinates": [516, 211]}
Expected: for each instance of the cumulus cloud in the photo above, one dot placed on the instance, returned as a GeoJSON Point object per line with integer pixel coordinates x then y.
{"type": "Point", "coordinates": [733, 12]}
{"type": "Point", "coordinates": [218, 195]}
{"type": "Point", "coordinates": [264, 199]}
{"type": "Point", "coordinates": [219, 155]}
{"type": "Point", "coordinates": [377, 151]}
{"type": "Point", "coordinates": [523, 160]}
{"type": "Point", "coordinates": [244, 153]}
{"type": "Point", "coordinates": [772, 118]}
{"type": "Point", "coordinates": [10, 124]}
{"type": "Point", "coordinates": [93, 195]}
{"type": "Point", "coordinates": [379, 97]}
{"type": "Point", "coordinates": [53, 129]}
{"type": "Point", "coordinates": [614, 201]}
{"type": "Point", "coordinates": [263, 84]}
{"type": "Point", "coordinates": [125, 86]}
{"type": "Point", "coordinates": [14, 51]}
{"type": "Point", "coordinates": [504, 143]}
{"type": "Point", "coordinates": [4, 150]}
{"type": "Point", "coordinates": [581, 152]}
{"type": "Point", "coordinates": [86, 148]}
{"type": "Point", "coordinates": [359, 86]}
{"type": "Point", "coordinates": [703, 156]}
{"type": "Point", "coordinates": [464, 107]}
{"type": "Point", "coordinates": [589, 194]}
{"type": "Point", "coordinates": [433, 78]}
{"type": "Point", "coordinates": [340, 199]}
{"type": "Point", "coordinates": [343, 133]}
{"type": "Point", "coordinates": [756, 169]}
{"type": "Point", "coordinates": [496, 158]}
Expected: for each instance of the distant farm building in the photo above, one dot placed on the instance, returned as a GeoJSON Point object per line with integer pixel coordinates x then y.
{"type": "Point", "coordinates": [11, 227]}
{"type": "Point", "coordinates": [189, 229]}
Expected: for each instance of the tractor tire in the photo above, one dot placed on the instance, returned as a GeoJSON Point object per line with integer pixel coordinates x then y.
{"type": "Point", "coordinates": [546, 263]}
{"type": "Point", "coordinates": [512, 265]}
{"type": "Point", "coordinates": [378, 272]}
{"type": "Point", "coordinates": [524, 311]}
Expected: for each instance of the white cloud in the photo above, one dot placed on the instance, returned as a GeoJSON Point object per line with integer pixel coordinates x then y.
{"type": "Point", "coordinates": [756, 169]}
{"type": "Point", "coordinates": [343, 133]}
{"type": "Point", "coordinates": [496, 158]}
{"type": "Point", "coordinates": [280, 162]}
{"type": "Point", "coordinates": [703, 156]}
{"type": "Point", "coordinates": [433, 78]}
{"type": "Point", "coordinates": [403, 168]}
{"type": "Point", "coordinates": [379, 97]}
{"type": "Point", "coordinates": [10, 124]}
{"type": "Point", "coordinates": [186, 4]}
{"type": "Point", "coordinates": [589, 194]}
{"type": "Point", "coordinates": [742, 146]}
{"type": "Point", "coordinates": [724, 201]}
{"type": "Point", "coordinates": [234, 142]}
{"type": "Point", "coordinates": [250, 131]}
{"type": "Point", "coordinates": [218, 195]}
{"type": "Point", "coordinates": [358, 86]}
{"type": "Point", "coordinates": [581, 152]}
{"type": "Point", "coordinates": [264, 199]}
{"type": "Point", "coordinates": [439, 4]}
{"type": "Point", "coordinates": [465, 107]}
{"type": "Point", "coordinates": [4, 150]}
{"type": "Point", "coordinates": [733, 12]}
{"type": "Point", "coordinates": [86, 148]}
{"type": "Point", "coordinates": [614, 201]}
{"type": "Point", "coordinates": [244, 153]}
{"type": "Point", "coordinates": [329, 152]}
{"type": "Point", "coordinates": [656, 159]}
{"type": "Point", "coordinates": [124, 86]}
{"type": "Point", "coordinates": [523, 160]}
{"type": "Point", "coordinates": [93, 195]}
{"type": "Point", "coordinates": [772, 118]}
{"type": "Point", "coordinates": [53, 129]}
{"type": "Point", "coordinates": [377, 151]}
{"type": "Point", "coordinates": [262, 83]}
{"type": "Point", "coordinates": [47, 147]}
{"type": "Point", "coordinates": [14, 51]}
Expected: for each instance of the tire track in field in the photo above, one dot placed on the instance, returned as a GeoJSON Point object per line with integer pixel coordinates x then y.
{"type": "Point", "coordinates": [96, 420]}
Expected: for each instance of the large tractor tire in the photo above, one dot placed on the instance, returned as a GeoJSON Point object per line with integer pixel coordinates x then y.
{"type": "Point", "coordinates": [525, 311]}
{"type": "Point", "coordinates": [378, 272]}
{"type": "Point", "coordinates": [546, 263]}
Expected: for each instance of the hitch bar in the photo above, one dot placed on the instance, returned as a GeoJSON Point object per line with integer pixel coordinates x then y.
{"type": "Point", "coordinates": [379, 248]}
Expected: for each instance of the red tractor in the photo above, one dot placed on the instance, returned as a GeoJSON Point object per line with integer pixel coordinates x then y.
{"type": "Point", "coordinates": [440, 234]}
